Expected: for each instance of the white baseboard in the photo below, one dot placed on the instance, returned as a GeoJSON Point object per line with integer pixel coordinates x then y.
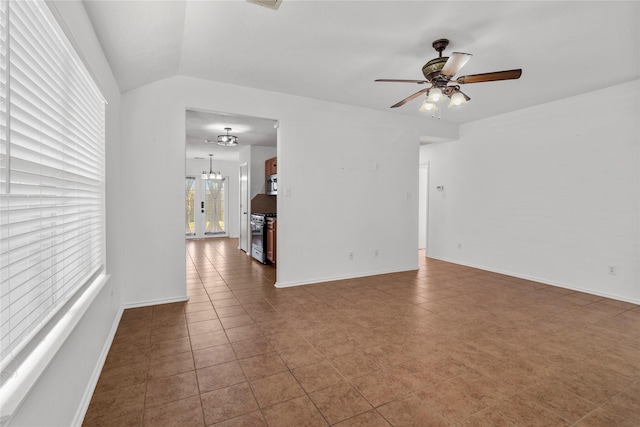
{"type": "Point", "coordinates": [95, 376]}
{"type": "Point", "coordinates": [155, 302]}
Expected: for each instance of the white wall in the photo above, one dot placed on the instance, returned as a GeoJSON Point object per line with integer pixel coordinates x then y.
{"type": "Point", "coordinates": [231, 170]}
{"type": "Point", "coordinates": [62, 393]}
{"type": "Point", "coordinates": [549, 193]}
{"type": "Point", "coordinates": [339, 201]}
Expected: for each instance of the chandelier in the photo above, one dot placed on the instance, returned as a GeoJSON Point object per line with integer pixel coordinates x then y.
{"type": "Point", "coordinates": [227, 140]}
{"type": "Point", "coordinates": [211, 174]}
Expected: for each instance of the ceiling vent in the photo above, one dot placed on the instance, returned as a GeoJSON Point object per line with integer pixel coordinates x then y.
{"type": "Point", "coordinates": [271, 4]}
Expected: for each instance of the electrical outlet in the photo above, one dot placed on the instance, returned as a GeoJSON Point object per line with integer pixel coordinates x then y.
{"type": "Point", "coordinates": [375, 253]}
{"type": "Point", "coordinates": [459, 245]}
{"type": "Point", "coordinates": [613, 270]}
{"type": "Point", "coordinates": [350, 255]}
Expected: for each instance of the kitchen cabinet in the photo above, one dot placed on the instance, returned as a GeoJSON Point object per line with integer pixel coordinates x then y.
{"type": "Point", "coordinates": [272, 225]}
{"type": "Point", "coordinates": [271, 166]}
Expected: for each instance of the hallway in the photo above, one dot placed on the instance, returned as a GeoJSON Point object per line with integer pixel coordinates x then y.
{"type": "Point", "coordinates": [445, 345]}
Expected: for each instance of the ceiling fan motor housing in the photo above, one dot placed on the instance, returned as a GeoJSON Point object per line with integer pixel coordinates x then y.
{"type": "Point", "coordinates": [432, 68]}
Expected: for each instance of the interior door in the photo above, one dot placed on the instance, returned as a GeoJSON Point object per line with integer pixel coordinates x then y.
{"type": "Point", "coordinates": [244, 207]}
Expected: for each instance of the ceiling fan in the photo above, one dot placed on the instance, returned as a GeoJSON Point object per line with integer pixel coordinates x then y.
{"type": "Point", "coordinates": [439, 73]}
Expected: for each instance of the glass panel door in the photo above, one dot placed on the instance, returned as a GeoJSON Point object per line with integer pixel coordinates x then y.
{"type": "Point", "coordinates": [214, 206]}
{"type": "Point", "coordinates": [190, 207]}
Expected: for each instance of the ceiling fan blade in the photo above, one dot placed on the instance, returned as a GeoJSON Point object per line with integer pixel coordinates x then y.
{"type": "Point", "coordinates": [420, 82]}
{"type": "Point", "coordinates": [409, 98]}
{"type": "Point", "coordinates": [490, 77]}
{"type": "Point", "coordinates": [455, 62]}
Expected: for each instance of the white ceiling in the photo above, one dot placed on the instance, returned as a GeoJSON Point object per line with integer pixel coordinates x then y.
{"type": "Point", "coordinates": [333, 50]}
{"type": "Point", "coordinates": [205, 125]}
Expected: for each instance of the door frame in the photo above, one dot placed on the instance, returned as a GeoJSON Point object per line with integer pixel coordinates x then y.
{"type": "Point", "coordinates": [244, 240]}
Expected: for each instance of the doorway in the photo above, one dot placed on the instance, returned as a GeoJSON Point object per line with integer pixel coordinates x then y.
{"type": "Point", "coordinates": [423, 207]}
{"type": "Point", "coordinates": [206, 207]}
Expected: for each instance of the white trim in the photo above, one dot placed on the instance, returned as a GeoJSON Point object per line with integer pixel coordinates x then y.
{"type": "Point", "coordinates": [543, 281]}
{"type": "Point", "coordinates": [155, 302]}
{"type": "Point", "coordinates": [16, 388]}
{"type": "Point", "coordinates": [95, 376]}
{"type": "Point", "coordinates": [346, 277]}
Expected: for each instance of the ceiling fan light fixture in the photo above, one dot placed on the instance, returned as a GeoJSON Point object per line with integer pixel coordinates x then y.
{"type": "Point", "coordinates": [435, 95]}
{"type": "Point", "coordinates": [457, 100]}
{"type": "Point", "coordinates": [227, 140]}
{"type": "Point", "coordinates": [428, 107]}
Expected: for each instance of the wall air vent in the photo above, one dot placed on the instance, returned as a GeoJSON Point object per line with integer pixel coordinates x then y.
{"type": "Point", "coordinates": [271, 4]}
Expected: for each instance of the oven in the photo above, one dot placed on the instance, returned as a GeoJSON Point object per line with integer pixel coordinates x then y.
{"type": "Point", "coordinates": [259, 236]}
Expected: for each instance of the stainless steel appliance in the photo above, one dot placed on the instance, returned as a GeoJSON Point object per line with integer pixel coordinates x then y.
{"type": "Point", "coordinates": [272, 185]}
{"type": "Point", "coordinates": [259, 236]}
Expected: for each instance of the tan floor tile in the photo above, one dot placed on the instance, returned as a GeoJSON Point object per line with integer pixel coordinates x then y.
{"type": "Point", "coordinates": [242, 333]}
{"type": "Point", "coordinates": [170, 365]}
{"type": "Point", "coordinates": [211, 325]}
{"type": "Point", "coordinates": [339, 402]}
{"type": "Point", "coordinates": [126, 402]}
{"type": "Point", "coordinates": [236, 321]}
{"type": "Point", "coordinates": [299, 412]}
{"type": "Point", "coordinates": [354, 365]}
{"type": "Point", "coordinates": [368, 419]}
{"type": "Point", "coordinates": [275, 389]}
{"type": "Point", "coordinates": [168, 389]}
{"type": "Point", "coordinates": [262, 365]}
{"type": "Point", "coordinates": [296, 357]}
{"type": "Point", "coordinates": [208, 339]}
{"type": "Point", "coordinates": [379, 388]}
{"type": "Point", "coordinates": [199, 316]}
{"type": "Point", "coordinates": [317, 376]}
{"type": "Point", "coordinates": [411, 411]}
{"type": "Point", "coordinates": [235, 310]}
{"type": "Point", "coordinates": [169, 332]}
{"type": "Point", "coordinates": [446, 343]}
{"type": "Point", "coordinates": [181, 413]}
{"type": "Point", "coordinates": [253, 347]}
{"type": "Point", "coordinates": [452, 401]}
{"type": "Point", "coordinates": [559, 399]}
{"type": "Point", "coordinates": [122, 376]}
{"type": "Point", "coordinates": [252, 419]}
{"type": "Point", "coordinates": [414, 375]}
{"type": "Point", "coordinates": [230, 402]}
{"type": "Point", "coordinates": [219, 376]}
{"type": "Point", "coordinates": [213, 355]}
{"type": "Point", "coordinates": [520, 410]}
{"type": "Point", "coordinates": [285, 340]}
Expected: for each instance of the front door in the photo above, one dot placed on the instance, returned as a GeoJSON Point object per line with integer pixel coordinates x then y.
{"type": "Point", "coordinates": [206, 207]}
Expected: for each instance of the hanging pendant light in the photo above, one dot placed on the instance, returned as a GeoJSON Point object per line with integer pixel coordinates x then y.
{"type": "Point", "coordinates": [211, 174]}
{"type": "Point", "coordinates": [227, 140]}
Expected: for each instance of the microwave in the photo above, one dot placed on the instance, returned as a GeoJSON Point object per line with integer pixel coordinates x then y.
{"type": "Point", "coordinates": [272, 185]}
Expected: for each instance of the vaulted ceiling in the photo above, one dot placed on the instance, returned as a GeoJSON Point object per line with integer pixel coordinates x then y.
{"type": "Point", "coordinates": [334, 50]}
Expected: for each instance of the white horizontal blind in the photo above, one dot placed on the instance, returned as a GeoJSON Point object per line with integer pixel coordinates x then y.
{"type": "Point", "coordinates": [52, 207]}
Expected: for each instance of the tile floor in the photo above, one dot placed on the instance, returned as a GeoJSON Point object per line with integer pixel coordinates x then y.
{"type": "Point", "coordinates": [446, 345]}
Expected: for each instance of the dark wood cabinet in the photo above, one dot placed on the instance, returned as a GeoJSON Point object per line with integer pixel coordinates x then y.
{"type": "Point", "coordinates": [272, 225]}
{"type": "Point", "coordinates": [271, 166]}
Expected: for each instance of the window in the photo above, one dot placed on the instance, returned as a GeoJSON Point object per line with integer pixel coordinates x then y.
{"type": "Point", "coordinates": [52, 124]}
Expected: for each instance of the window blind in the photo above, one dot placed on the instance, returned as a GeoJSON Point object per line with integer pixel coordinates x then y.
{"type": "Point", "coordinates": [51, 173]}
